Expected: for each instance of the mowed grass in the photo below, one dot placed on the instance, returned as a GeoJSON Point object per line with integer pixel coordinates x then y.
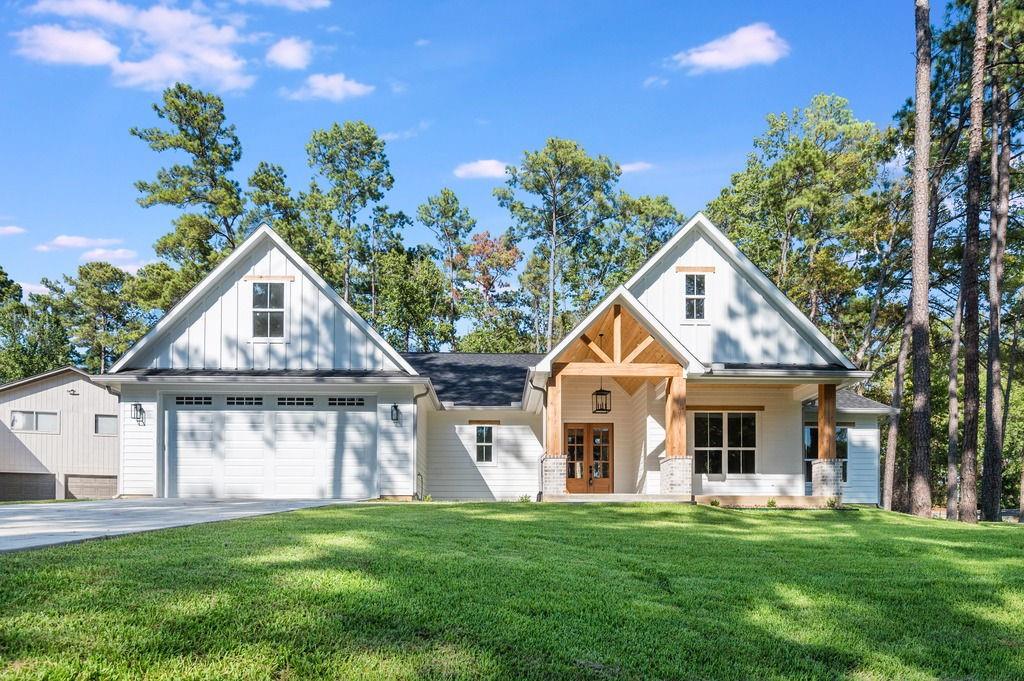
{"type": "Point", "coordinates": [525, 591]}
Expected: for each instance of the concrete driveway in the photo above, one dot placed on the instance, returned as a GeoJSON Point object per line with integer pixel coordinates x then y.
{"type": "Point", "coordinates": [24, 526]}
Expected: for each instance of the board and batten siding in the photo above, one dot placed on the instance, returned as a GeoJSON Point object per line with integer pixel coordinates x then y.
{"type": "Point", "coordinates": [76, 449]}
{"type": "Point", "coordinates": [740, 324]}
{"type": "Point", "coordinates": [217, 331]}
{"type": "Point", "coordinates": [452, 469]}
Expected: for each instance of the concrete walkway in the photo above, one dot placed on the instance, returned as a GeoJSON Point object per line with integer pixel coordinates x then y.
{"type": "Point", "coordinates": [25, 526]}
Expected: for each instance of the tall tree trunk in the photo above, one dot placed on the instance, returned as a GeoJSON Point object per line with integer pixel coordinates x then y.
{"type": "Point", "coordinates": [551, 282]}
{"type": "Point", "coordinates": [920, 418]}
{"type": "Point", "coordinates": [969, 460]}
{"type": "Point", "coordinates": [889, 477]}
{"type": "Point", "coordinates": [992, 471]}
{"type": "Point", "coordinates": [953, 426]}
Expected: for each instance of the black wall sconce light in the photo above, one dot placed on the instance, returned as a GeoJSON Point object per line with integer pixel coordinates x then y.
{"type": "Point", "coordinates": [396, 415]}
{"type": "Point", "coordinates": [138, 413]}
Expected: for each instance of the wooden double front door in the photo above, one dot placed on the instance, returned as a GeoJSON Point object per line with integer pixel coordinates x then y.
{"type": "Point", "coordinates": [590, 459]}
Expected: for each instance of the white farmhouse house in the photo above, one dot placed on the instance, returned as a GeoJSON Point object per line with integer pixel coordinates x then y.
{"type": "Point", "coordinates": [696, 378]}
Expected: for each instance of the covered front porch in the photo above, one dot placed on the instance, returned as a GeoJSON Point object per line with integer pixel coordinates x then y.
{"type": "Point", "coordinates": [628, 416]}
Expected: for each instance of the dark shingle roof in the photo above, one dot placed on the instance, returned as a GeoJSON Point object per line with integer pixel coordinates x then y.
{"type": "Point", "coordinates": [475, 379]}
{"type": "Point", "coordinates": [800, 367]}
{"type": "Point", "coordinates": [847, 400]}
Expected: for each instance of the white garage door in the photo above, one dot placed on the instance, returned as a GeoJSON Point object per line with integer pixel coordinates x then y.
{"type": "Point", "coordinates": [266, 446]}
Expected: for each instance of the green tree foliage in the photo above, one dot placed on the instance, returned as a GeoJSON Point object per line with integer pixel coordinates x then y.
{"type": "Point", "coordinates": [555, 196]}
{"type": "Point", "coordinates": [202, 186]}
{"type": "Point", "coordinates": [412, 300]}
{"type": "Point", "coordinates": [350, 160]}
{"type": "Point", "coordinates": [101, 318]}
{"type": "Point", "coordinates": [33, 338]}
{"type": "Point", "coordinates": [451, 224]}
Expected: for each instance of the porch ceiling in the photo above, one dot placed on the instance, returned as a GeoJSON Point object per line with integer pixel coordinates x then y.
{"type": "Point", "coordinates": [596, 344]}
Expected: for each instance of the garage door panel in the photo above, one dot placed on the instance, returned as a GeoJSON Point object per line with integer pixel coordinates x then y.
{"type": "Point", "coordinates": [325, 452]}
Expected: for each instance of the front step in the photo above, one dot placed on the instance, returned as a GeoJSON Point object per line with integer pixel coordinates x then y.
{"type": "Point", "coordinates": [617, 498]}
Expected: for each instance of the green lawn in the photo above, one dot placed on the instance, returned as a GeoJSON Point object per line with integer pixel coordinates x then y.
{"type": "Point", "coordinates": [525, 590]}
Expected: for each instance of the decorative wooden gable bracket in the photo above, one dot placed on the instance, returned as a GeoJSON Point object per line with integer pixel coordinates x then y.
{"type": "Point", "coordinates": [596, 349]}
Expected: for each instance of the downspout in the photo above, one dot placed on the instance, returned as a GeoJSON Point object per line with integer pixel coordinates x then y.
{"type": "Point", "coordinates": [544, 423]}
{"type": "Point", "coordinates": [416, 444]}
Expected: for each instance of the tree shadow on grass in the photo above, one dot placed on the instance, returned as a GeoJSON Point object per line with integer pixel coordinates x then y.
{"type": "Point", "coordinates": [527, 590]}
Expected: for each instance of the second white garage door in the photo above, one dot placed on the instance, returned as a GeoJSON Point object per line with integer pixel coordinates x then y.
{"type": "Point", "coordinates": [299, 448]}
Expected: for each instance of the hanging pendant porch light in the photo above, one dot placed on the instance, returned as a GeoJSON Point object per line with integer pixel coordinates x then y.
{"type": "Point", "coordinates": [602, 399]}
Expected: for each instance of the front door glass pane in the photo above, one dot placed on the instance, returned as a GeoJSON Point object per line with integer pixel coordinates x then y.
{"type": "Point", "coordinates": [602, 453]}
{"type": "Point", "coordinates": [575, 445]}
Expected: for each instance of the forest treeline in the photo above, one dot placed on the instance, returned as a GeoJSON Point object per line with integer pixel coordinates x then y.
{"type": "Point", "coordinates": [901, 243]}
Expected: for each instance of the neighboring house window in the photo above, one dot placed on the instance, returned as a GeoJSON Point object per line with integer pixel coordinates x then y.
{"type": "Point", "coordinates": [742, 438]}
{"type": "Point", "coordinates": [811, 447]}
{"type": "Point", "coordinates": [267, 310]}
{"type": "Point", "coordinates": [694, 298]}
{"type": "Point", "coordinates": [484, 444]}
{"type": "Point", "coordinates": [707, 442]}
{"type": "Point", "coordinates": [35, 421]}
{"type": "Point", "coordinates": [105, 424]}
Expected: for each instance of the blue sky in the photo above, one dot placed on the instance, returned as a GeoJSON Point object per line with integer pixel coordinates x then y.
{"type": "Point", "coordinates": [674, 91]}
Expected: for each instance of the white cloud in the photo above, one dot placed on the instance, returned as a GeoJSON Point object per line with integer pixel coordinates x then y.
{"type": "Point", "coordinates": [65, 241]}
{"type": "Point", "coordinates": [294, 5]}
{"type": "Point", "coordinates": [636, 167]}
{"type": "Point", "coordinates": [655, 81]}
{"type": "Point", "coordinates": [109, 254]}
{"type": "Point", "coordinates": [754, 44]}
{"type": "Point", "coordinates": [290, 53]}
{"type": "Point", "coordinates": [406, 134]}
{"type": "Point", "coordinates": [421, 42]}
{"type": "Point", "coordinates": [333, 86]}
{"type": "Point", "coordinates": [148, 48]}
{"type": "Point", "coordinates": [58, 45]}
{"type": "Point", "coordinates": [480, 169]}
{"type": "Point", "coordinates": [28, 287]}
{"type": "Point", "coordinates": [10, 230]}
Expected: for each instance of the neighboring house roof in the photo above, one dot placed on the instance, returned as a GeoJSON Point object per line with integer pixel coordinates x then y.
{"type": "Point", "coordinates": [263, 373]}
{"type": "Point", "coordinates": [252, 241]}
{"type": "Point", "coordinates": [851, 403]}
{"type": "Point", "coordinates": [475, 379]}
{"type": "Point", "coordinates": [755, 276]}
{"type": "Point", "coordinates": [44, 375]}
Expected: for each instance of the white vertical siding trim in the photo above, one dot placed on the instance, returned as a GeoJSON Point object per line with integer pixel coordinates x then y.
{"type": "Point", "coordinates": [139, 442]}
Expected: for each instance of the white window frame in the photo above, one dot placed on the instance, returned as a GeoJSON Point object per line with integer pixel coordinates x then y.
{"type": "Point", "coordinates": [96, 425]}
{"type": "Point", "coordinates": [687, 297]}
{"type": "Point", "coordinates": [477, 427]}
{"type": "Point", "coordinates": [725, 448]}
{"type": "Point", "coordinates": [253, 309]}
{"type": "Point", "coordinates": [35, 421]}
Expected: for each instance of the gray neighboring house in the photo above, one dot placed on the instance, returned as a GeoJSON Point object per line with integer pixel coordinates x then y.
{"type": "Point", "coordinates": [58, 438]}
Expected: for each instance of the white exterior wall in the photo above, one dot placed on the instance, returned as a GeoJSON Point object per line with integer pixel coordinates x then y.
{"type": "Point", "coordinates": [452, 470]}
{"type": "Point", "coordinates": [863, 452]}
{"type": "Point", "coordinates": [139, 442]}
{"type": "Point", "coordinates": [217, 331]}
{"type": "Point", "coordinates": [740, 324]}
{"type": "Point", "coordinates": [76, 449]}
{"type": "Point", "coordinates": [395, 442]}
{"type": "Point", "coordinates": [779, 458]}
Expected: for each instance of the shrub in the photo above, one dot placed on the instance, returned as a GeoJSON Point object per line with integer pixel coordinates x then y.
{"type": "Point", "coordinates": [771, 503]}
{"type": "Point", "coordinates": [833, 502]}
{"type": "Point", "coordinates": [715, 502]}
{"type": "Point", "coordinates": [525, 499]}
{"type": "Point", "coordinates": [427, 498]}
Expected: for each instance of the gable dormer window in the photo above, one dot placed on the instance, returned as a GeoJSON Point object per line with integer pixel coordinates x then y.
{"type": "Point", "coordinates": [267, 310]}
{"type": "Point", "coordinates": [694, 296]}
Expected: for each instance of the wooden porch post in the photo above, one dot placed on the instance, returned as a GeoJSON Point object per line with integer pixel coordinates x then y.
{"type": "Point", "coordinates": [675, 417]}
{"type": "Point", "coordinates": [826, 421]}
{"type": "Point", "coordinates": [554, 417]}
